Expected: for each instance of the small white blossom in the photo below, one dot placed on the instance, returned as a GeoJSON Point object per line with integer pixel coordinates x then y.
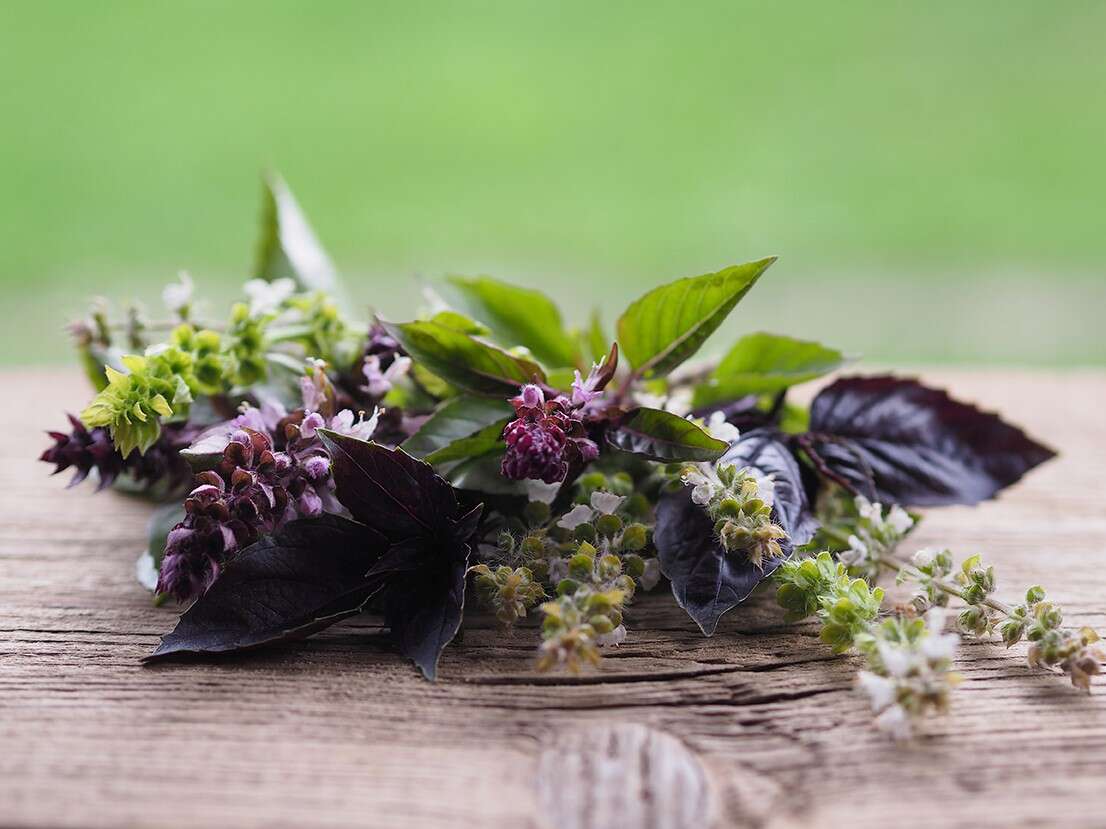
{"type": "Point", "coordinates": [346, 423]}
{"type": "Point", "coordinates": [541, 491]}
{"type": "Point", "coordinates": [579, 514]}
{"type": "Point", "coordinates": [606, 502]}
{"type": "Point", "coordinates": [379, 382]}
{"type": "Point", "coordinates": [857, 553]}
{"type": "Point", "coordinates": [897, 661]}
{"type": "Point", "coordinates": [899, 520]}
{"type": "Point", "coordinates": [719, 429]}
{"type": "Point", "coordinates": [880, 689]}
{"type": "Point", "coordinates": [267, 297]}
{"type": "Point", "coordinates": [766, 488]}
{"type": "Point", "coordinates": [652, 574]}
{"type": "Point", "coordinates": [704, 481]}
{"type": "Point", "coordinates": [895, 722]}
{"type": "Point", "coordinates": [177, 296]}
{"type": "Point", "coordinates": [871, 510]}
{"type": "Point", "coordinates": [922, 558]}
{"type": "Point", "coordinates": [615, 638]}
{"type": "Point", "coordinates": [938, 645]}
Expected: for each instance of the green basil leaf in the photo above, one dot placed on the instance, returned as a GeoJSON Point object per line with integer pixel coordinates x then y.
{"type": "Point", "coordinates": [288, 246]}
{"type": "Point", "coordinates": [487, 440]}
{"type": "Point", "coordinates": [459, 322]}
{"type": "Point", "coordinates": [455, 421]}
{"type": "Point", "coordinates": [598, 342]}
{"type": "Point", "coordinates": [466, 362]}
{"type": "Point", "coordinates": [519, 316]}
{"type": "Point", "coordinates": [669, 324]}
{"type": "Point", "coordinates": [764, 364]}
{"type": "Point", "coordinates": [663, 436]}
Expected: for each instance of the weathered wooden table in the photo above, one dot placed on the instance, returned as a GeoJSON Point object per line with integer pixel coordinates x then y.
{"type": "Point", "coordinates": [757, 726]}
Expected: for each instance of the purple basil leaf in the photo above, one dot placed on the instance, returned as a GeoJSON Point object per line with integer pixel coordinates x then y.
{"type": "Point", "coordinates": [424, 613]}
{"type": "Point", "coordinates": [287, 586]}
{"type": "Point", "coordinates": [898, 441]}
{"type": "Point", "coordinates": [398, 496]}
{"type": "Point", "coordinates": [706, 581]}
{"type": "Point", "coordinates": [766, 453]}
{"type": "Point", "coordinates": [424, 569]}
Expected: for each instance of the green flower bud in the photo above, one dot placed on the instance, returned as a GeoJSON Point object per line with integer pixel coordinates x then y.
{"type": "Point", "coordinates": [634, 537]}
{"type": "Point", "coordinates": [602, 624]}
{"type": "Point", "coordinates": [536, 513]}
{"type": "Point", "coordinates": [635, 566]}
{"type": "Point", "coordinates": [608, 525]}
{"type": "Point", "coordinates": [580, 566]}
{"type": "Point", "coordinates": [610, 566]}
{"type": "Point", "coordinates": [585, 532]}
{"type": "Point", "coordinates": [566, 587]}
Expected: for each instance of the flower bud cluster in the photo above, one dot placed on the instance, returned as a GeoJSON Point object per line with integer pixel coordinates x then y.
{"type": "Point", "coordinates": [584, 618]}
{"type": "Point", "coordinates": [383, 363]}
{"type": "Point", "coordinates": [545, 438]}
{"type": "Point", "coordinates": [928, 569]}
{"type": "Point", "coordinates": [874, 535]}
{"type": "Point", "coordinates": [908, 672]}
{"type": "Point", "coordinates": [977, 583]}
{"type": "Point", "coordinates": [508, 592]}
{"type": "Point", "coordinates": [821, 586]}
{"type": "Point", "coordinates": [740, 506]}
{"type": "Point", "coordinates": [133, 404]}
{"type": "Point", "coordinates": [274, 468]}
{"type": "Point", "coordinates": [85, 450]}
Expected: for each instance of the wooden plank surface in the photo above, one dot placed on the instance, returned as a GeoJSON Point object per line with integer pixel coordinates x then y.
{"type": "Point", "coordinates": [757, 726]}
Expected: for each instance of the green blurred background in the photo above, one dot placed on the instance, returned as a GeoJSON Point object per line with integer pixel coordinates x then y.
{"type": "Point", "coordinates": [931, 174]}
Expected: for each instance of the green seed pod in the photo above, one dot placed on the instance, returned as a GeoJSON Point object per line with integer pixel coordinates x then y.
{"type": "Point", "coordinates": [566, 587]}
{"type": "Point", "coordinates": [585, 532]}
{"type": "Point", "coordinates": [533, 546]}
{"type": "Point", "coordinates": [580, 566]}
{"type": "Point", "coordinates": [615, 615]}
{"type": "Point", "coordinates": [599, 603]}
{"type": "Point", "coordinates": [637, 505]}
{"type": "Point", "coordinates": [602, 624]}
{"type": "Point", "coordinates": [536, 512]}
{"type": "Point", "coordinates": [729, 507]}
{"type": "Point", "coordinates": [608, 525]}
{"type": "Point", "coordinates": [610, 566]}
{"type": "Point", "coordinates": [635, 566]}
{"type": "Point", "coordinates": [1034, 594]}
{"type": "Point", "coordinates": [634, 537]}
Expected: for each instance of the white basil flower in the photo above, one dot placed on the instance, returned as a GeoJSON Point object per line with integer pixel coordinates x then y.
{"type": "Point", "coordinates": [579, 514]}
{"type": "Point", "coordinates": [606, 503]}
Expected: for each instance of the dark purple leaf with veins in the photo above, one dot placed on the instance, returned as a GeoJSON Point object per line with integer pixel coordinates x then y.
{"type": "Point", "coordinates": [897, 441]}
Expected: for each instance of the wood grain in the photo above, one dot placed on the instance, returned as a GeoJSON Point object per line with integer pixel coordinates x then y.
{"type": "Point", "coordinates": [757, 726]}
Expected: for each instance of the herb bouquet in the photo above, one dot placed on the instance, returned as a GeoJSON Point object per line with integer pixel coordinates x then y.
{"type": "Point", "coordinates": [486, 452]}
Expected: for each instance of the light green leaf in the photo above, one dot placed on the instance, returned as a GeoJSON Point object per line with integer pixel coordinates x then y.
{"type": "Point", "coordinates": [519, 316]}
{"type": "Point", "coordinates": [458, 421]}
{"type": "Point", "coordinates": [466, 362]}
{"type": "Point", "coordinates": [764, 364]}
{"type": "Point", "coordinates": [487, 440]}
{"type": "Point", "coordinates": [663, 436]}
{"type": "Point", "coordinates": [598, 342]}
{"type": "Point", "coordinates": [669, 324]}
{"type": "Point", "coordinates": [288, 246]}
{"type": "Point", "coordinates": [459, 322]}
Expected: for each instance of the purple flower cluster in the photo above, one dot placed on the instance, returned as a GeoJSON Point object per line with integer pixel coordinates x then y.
{"type": "Point", "coordinates": [546, 437]}
{"type": "Point", "coordinates": [84, 450]}
{"type": "Point", "coordinates": [273, 469]}
{"type": "Point", "coordinates": [384, 363]}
